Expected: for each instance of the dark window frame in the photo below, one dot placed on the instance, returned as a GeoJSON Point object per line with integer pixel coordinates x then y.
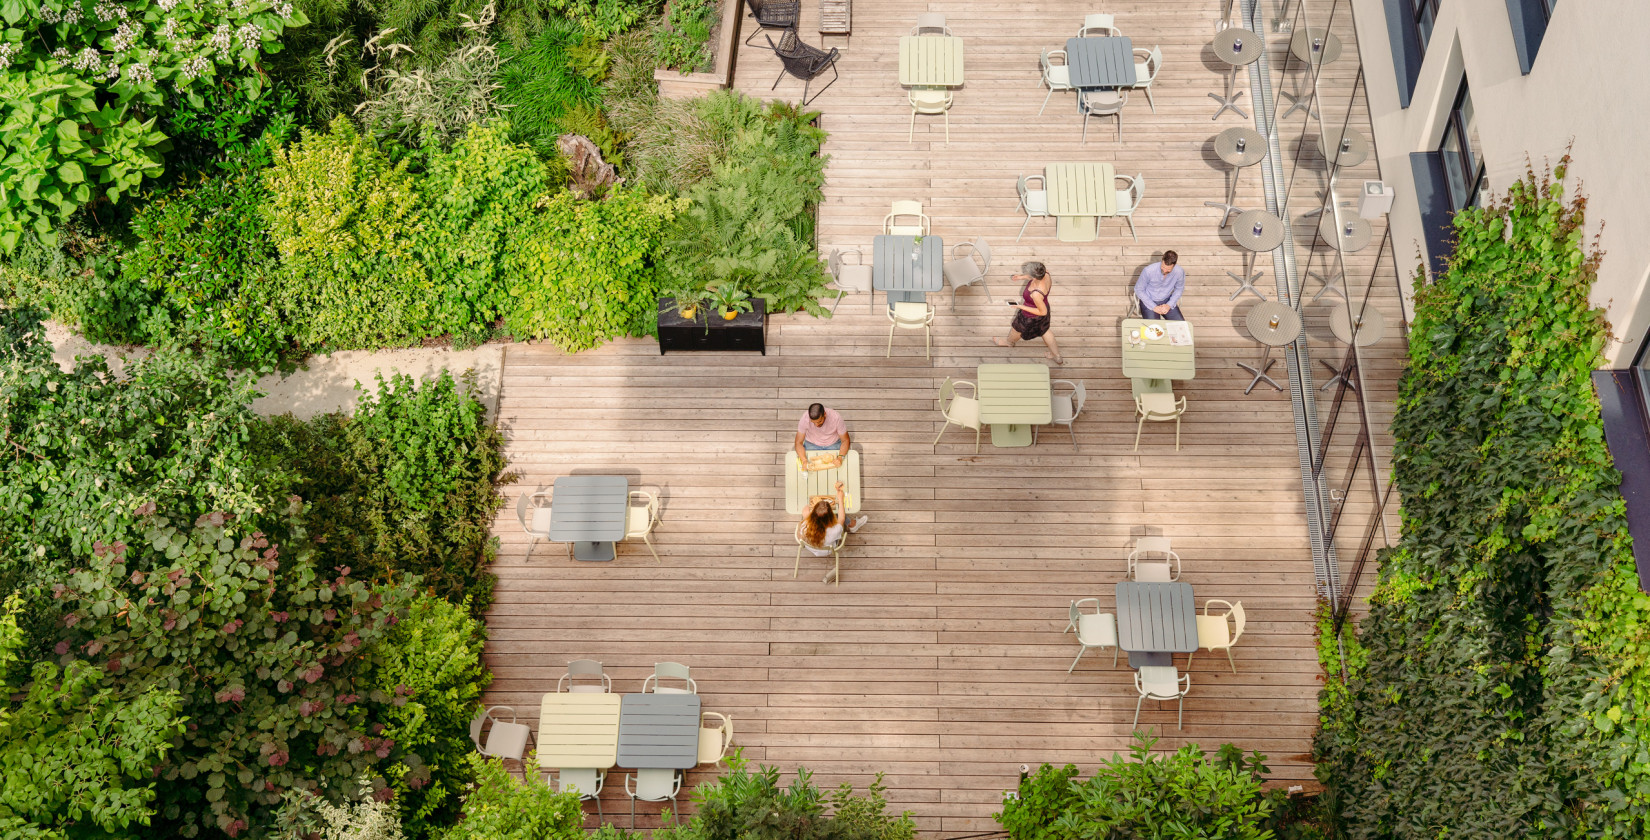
{"type": "Point", "coordinates": [1529, 19]}
{"type": "Point", "coordinates": [1474, 172]}
{"type": "Point", "coordinates": [1406, 46]}
{"type": "Point", "coordinates": [1425, 15]}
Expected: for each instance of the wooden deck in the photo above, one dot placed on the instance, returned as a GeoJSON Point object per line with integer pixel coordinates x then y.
{"type": "Point", "coordinates": [938, 660]}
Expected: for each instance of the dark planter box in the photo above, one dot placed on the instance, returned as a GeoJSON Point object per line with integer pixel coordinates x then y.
{"type": "Point", "coordinates": [749, 331]}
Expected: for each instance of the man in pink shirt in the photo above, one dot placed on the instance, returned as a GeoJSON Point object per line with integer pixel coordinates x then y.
{"type": "Point", "coordinates": [821, 430]}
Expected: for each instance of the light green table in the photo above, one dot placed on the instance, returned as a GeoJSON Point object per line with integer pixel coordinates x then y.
{"type": "Point", "coordinates": [1013, 398]}
{"type": "Point", "coordinates": [1078, 195]}
{"type": "Point", "coordinates": [1156, 359]}
{"type": "Point", "coordinates": [802, 485]}
{"type": "Point", "coordinates": [930, 60]}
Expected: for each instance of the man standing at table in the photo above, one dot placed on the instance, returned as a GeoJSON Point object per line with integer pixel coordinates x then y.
{"type": "Point", "coordinates": [1159, 289]}
{"type": "Point", "coordinates": [820, 430]}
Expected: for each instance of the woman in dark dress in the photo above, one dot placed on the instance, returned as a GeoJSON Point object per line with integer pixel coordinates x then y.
{"type": "Point", "coordinates": [1032, 315]}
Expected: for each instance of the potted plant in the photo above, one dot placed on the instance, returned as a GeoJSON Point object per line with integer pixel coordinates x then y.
{"type": "Point", "coordinates": [730, 300]}
{"type": "Point", "coordinates": [688, 301]}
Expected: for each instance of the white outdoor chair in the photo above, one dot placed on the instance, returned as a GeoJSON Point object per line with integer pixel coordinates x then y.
{"type": "Point", "coordinates": [1158, 407]}
{"type": "Point", "coordinates": [1056, 75]}
{"type": "Point", "coordinates": [715, 742]}
{"type": "Point", "coordinates": [534, 518]}
{"type": "Point", "coordinates": [1094, 630]}
{"type": "Point", "coordinates": [1215, 632]}
{"type": "Point", "coordinates": [1033, 201]}
{"type": "Point", "coordinates": [640, 518]}
{"type": "Point", "coordinates": [584, 669]}
{"type": "Point", "coordinates": [1146, 65]}
{"type": "Point", "coordinates": [963, 411]}
{"type": "Point", "coordinates": [891, 223]}
{"type": "Point", "coordinates": [1153, 561]}
{"type": "Point", "coordinates": [836, 555]}
{"type": "Point", "coordinates": [962, 270]}
{"type": "Point", "coordinates": [1128, 199]}
{"type": "Point", "coordinates": [931, 23]}
{"type": "Point", "coordinates": [504, 739]}
{"type": "Point", "coordinates": [929, 102]}
{"type": "Point", "coordinates": [587, 782]}
{"type": "Point", "coordinates": [669, 671]}
{"type": "Point", "coordinates": [653, 785]}
{"type": "Point", "coordinates": [911, 315]}
{"type": "Point", "coordinates": [850, 277]}
{"type": "Point", "coordinates": [1098, 25]}
{"type": "Point", "coordinates": [1065, 407]}
{"type": "Point", "coordinates": [1102, 103]}
{"type": "Point", "coordinates": [1162, 682]}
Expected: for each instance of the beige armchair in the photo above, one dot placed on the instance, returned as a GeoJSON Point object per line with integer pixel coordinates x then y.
{"type": "Point", "coordinates": [911, 315]}
{"type": "Point", "coordinates": [963, 411]}
{"type": "Point", "coordinates": [641, 518]}
{"type": "Point", "coordinates": [1158, 408]}
{"type": "Point", "coordinates": [1094, 629]}
{"type": "Point", "coordinates": [1153, 561]}
{"type": "Point", "coordinates": [1219, 632]}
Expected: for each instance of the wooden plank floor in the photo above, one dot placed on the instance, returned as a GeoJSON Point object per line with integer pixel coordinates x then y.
{"type": "Point", "coordinates": [938, 659]}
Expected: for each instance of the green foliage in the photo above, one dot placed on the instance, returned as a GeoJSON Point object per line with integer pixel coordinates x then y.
{"type": "Point", "coordinates": [584, 271]}
{"type": "Point", "coordinates": [211, 273]}
{"type": "Point", "coordinates": [744, 805]}
{"type": "Point", "coordinates": [1183, 794]}
{"type": "Point", "coordinates": [437, 653]}
{"type": "Point", "coordinates": [540, 86]}
{"type": "Point", "coordinates": [426, 109]}
{"type": "Point", "coordinates": [267, 654]}
{"type": "Point", "coordinates": [233, 131]}
{"type": "Point", "coordinates": [404, 487]}
{"type": "Point", "coordinates": [64, 151]}
{"type": "Point", "coordinates": [76, 755]}
{"type": "Point", "coordinates": [681, 40]}
{"type": "Point", "coordinates": [347, 224]}
{"type": "Point", "coordinates": [502, 807]}
{"type": "Point", "coordinates": [602, 19]}
{"type": "Point", "coordinates": [1503, 671]}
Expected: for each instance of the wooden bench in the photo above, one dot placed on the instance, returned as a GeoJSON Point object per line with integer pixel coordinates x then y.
{"type": "Point", "coordinates": [834, 17]}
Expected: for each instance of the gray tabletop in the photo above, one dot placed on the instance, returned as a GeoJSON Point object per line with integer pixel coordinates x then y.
{"type": "Point", "coordinates": [1155, 618]}
{"type": "Point", "coordinates": [1300, 45]}
{"type": "Point", "coordinates": [1356, 149]}
{"type": "Point", "coordinates": [1339, 239]}
{"type": "Point", "coordinates": [1254, 146]}
{"type": "Point", "coordinates": [892, 269]}
{"type": "Point", "coordinates": [1237, 47]}
{"type": "Point", "coordinates": [1260, 320]}
{"type": "Point", "coordinates": [1100, 62]}
{"type": "Point", "coordinates": [589, 508]}
{"type": "Point", "coordinates": [659, 731]}
{"type": "Point", "coordinates": [1271, 230]}
{"type": "Point", "coordinates": [1371, 324]}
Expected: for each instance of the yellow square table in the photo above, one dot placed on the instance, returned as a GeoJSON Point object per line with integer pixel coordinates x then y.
{"type": "Point", "coordinates": [930, 60]}
{"type": "Point", "coordinates": [1013, 398]}
{"type": "Point", "coordinates": [579, 731]}
{"type": "Point", "coordinates": [1081, 189]}
{"type": "Point", "coordinates": [1160, 358]}
{"type": "Point", "coordinates": [802, 485]}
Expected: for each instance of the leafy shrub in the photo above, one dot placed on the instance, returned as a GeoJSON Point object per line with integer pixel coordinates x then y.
{"type": "Point", "coordinates": [77, 282]}
{"type": "Point", "coordinates": [234, 129]}
{"type": "Point", "coordinates": [502, 807]}
{"type": "Point", "coordinates": [1498, 685]}
{"type": "Point", "coordinates": [204, 256]}
{"type": "Point", "coordinates": [434, 106]}
{"type": "Point", "coordinates": [740, 804]}
{"type": "Point", "coordinates": [540, 86]}
{"type": "Point", "coordinates": [681, 39]}
{"type": "Point", "coordinates": [603, 19]}
{"type": "Point", "coordinates": [1185, 794]}
{"type": "Point", "coordinates": [347, 224]}
{"type": "Point", "coordinates": [584, 271]}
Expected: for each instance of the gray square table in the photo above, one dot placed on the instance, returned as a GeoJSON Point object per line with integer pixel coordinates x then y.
{"type": "Point", "coordinates": [1101, 62]}
{"type": "Point", "coordinates": [1155, 620]}
{"type": "Point", "coordinates": [659, 731]}
{"type": "Point", "coordinates": [589, 511]}
{"type": "Point", "coordinates": [902, 278]}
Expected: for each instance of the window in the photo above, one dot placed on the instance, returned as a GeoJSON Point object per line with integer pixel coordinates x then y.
{"type": "Point", "coordinates": [1547, 8]}
{"type": "Point", "coordinates": [1529, 20]}
{"type": "Point", "coordinates": [1426, 14]}
{"type": "Point", "coordinates": [1461, 154]}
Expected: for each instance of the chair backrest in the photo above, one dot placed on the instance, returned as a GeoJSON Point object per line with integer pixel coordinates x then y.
{"type": "Point", "coordinates": [1025, 186]}
{"type": "Point", "coordinates": [911, 314]}
{"type": "Point", "coordinates": [585, 781]}
{"type": "Point", "coordinates": [934, 21]}
{"type": "Point", "coordinates": [1137, 189]}
{"type": "Point", "coordinates": [714, 741]}
{"type": "Point", "coordinates": [1102, 103]}
{"type": "Point", "coordinates": [670, 671]}
{"type": "Point", "coordinates": [1079, 396]}
{"type": "Point", "coordinates": [904, 207]}
{"type": "Point", "coordinates": [947, 390]}
{"type": "Point", "coordinates": [929, 101]}
{"type": "Point", "coordinates": [584, 669]}
{"type": "Point", "coordinates": [1238, 618]}
{"type": "Point", "coordinates": [835, 262]}
{"type": "Point", "coordinates": [1099, 20]}
{"type": "Point", "coordinates": [1048, 61]}
{"type": "Point", "coordinates": [1150, 546]}
{"type": "Point", "coordinates": [1153, 571]}
{"type": "Point", "coordinates": [1160, 406]}
{"type": "Point", "coordinates": [522, 504]}
{"type": "Point", "coordinates": [982, 248]}
{"type": "Point", "coordinates": [476, 723]}
{"type": "Point", "coordinates": [1074, 613]}
{"type": "Point", "coordinates": [1154, 62]}
{"type": "Point", "coordinates": [1160, 681]}
{"type": "Point", "coordinates": [654, 784]}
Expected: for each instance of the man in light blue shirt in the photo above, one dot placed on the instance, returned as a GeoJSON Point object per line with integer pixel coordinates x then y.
{"type": "Point", "coordinates": [1159, 289]}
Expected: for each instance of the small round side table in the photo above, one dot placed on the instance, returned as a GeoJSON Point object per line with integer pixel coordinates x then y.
{"type": "Point", "coordinates": [1236, 147]}
{"type": "Point", "coordinates": [1238, 48]}
{"type": "Point", "coordinates": [1256, 231]}
{"type": "Point", "coordinates": [1273, 325]}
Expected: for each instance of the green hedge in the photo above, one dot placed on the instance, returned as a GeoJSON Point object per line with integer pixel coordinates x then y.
{"type": "Point", "coordinates": [1498, 686]}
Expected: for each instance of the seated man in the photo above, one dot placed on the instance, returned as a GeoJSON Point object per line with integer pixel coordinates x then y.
{"type": "Point", "coordinates": [820, 430]}
{"type": "Point", "coordinates": [1159, 289]}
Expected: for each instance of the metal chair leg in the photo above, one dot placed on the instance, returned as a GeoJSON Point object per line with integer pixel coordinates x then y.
{"type": "Point", "coordinates": [1081, 649]}
{"type": "Point", "coordinates": [1136, 726]}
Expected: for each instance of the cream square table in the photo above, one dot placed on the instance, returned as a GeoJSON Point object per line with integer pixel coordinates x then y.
{"type": "Point", "coordinates": [802, 485]}
{"type": "Point", "coordinates": [1013, 398]}
{"type": "Point", "coordinates": [1157, 358]}
{"type": "Point", "coordinates": [930, 61]}
{"type": "Point", "coordinates": [579, 731]}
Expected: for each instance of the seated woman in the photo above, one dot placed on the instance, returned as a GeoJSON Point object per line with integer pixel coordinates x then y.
{"type": "Point", "coordinates": [822, 525]}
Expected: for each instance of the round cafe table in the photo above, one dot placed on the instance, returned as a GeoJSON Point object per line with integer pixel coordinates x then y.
{"type": "Point", "coordinates": [1237, 48]}
{"type": "Point", "coordinates": [1313, 47]}
{"type": "Point", "coordinates": [1338, 238]}
{"type": "Point", "coordinates": [1253, 151]}
{"type": "Point", "coordinates": [1370, 322]}
{"type": "Point", "coordinates": [1273, 325]}
{"type": "Point", "coordinates": [1352, 148]}
{"type": "Point", "coordinates": [1268, 239]}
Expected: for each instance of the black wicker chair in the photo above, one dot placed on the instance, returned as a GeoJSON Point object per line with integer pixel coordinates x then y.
{"type": "Point", "coordinates": [774, 14]}
{"type": "Point", "coordinates": [804, 61]}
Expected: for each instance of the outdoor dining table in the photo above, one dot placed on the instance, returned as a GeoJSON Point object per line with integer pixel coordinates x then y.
{"type": "Point", "coordinates": [1106, 62]}
{"type": "Point", "coordinates": [1013, 398]}
{"type": "Point", "coordinates": [1155, 621]}
{"type": "Point", "coordinates": [1078, 195]}
{"type": "Point", "coordinates": [1156, 358]}
{"type": "Point", "coordinates": [930, 61]}
{"type": "Point", "coordinates": [589, 511]}
{"type": "Point", "coordinates": [802, 485]}
{"type": "Point", "coordinates": [578, 731]}
{"type": "Point", "coordinates": [900, 272]}
{"type": "Point", "coordinates": [659, 731]}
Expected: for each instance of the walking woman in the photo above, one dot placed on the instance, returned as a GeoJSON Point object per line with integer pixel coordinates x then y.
{"type": "Point", "coordinates": [1032, 316]}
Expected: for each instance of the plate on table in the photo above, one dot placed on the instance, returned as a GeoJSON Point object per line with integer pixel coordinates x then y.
{"type": "Point", "coordinates": [823, 461]}
{"type": "Point", "coordinates": [1153, 331]}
